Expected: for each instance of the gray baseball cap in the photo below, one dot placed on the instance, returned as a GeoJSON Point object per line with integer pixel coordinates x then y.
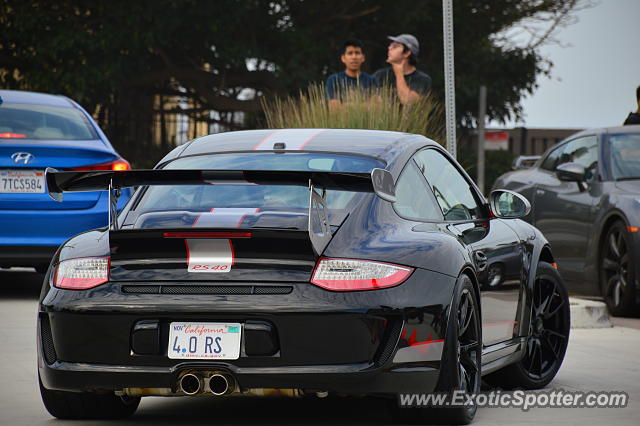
{"type": "Point", "coordinates": [408, 40]}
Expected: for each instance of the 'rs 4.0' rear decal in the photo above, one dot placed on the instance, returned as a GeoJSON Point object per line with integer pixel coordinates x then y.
{"type": "Point", "coordinates": [209, 255]}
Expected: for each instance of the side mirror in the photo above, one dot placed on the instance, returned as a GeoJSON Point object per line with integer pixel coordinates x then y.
{"type": "Point", "coordinates": [571, 172]}
{"type": "Point", "coordinates": [383, 184]}
{"type": "Point", "coordinates": [508, 204]}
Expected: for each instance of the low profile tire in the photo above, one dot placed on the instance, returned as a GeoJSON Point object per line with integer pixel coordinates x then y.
{"type": "Point", "coordinates": [78, 406]}
{"type": "Point", "coordinates": [617, 276]}
{"type": "Point", "coordinates": [548, 335]}
{"type": "Point", "coordinates": [461, 361]}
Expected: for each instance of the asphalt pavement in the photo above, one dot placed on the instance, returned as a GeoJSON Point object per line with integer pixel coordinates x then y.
{"type": "Point", "coordinates": [604, 359]}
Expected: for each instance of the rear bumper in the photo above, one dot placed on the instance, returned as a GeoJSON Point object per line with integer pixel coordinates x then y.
{"type": "Point", "coordinates": [347, 379]}
{"type": "Point", "coordinates": [31, 237]}
{"type": "Point", "coordinates": [378, 342]}
{"type": "Point", "coordinates": [48, 227]}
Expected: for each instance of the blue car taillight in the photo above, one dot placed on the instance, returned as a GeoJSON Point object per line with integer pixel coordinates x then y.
{"type": "Point", "coordinates": [117, 165]}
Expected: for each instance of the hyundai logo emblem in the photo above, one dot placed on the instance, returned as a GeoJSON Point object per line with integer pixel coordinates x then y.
{"type": "Point", "coordinates": [22, 157]}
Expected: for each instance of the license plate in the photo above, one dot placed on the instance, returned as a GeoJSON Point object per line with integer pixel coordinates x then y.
{"type": "Point", "coordinates": [22, 182]}
{"type": "Point", "coordinates": [204, 340]}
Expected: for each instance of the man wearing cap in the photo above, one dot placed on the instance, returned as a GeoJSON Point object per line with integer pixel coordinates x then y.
{"type": "Point", "coordinates": [409, 82]}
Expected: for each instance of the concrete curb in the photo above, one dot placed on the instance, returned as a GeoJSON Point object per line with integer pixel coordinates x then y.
{"type": "Point", "coordinates": [589, 314]}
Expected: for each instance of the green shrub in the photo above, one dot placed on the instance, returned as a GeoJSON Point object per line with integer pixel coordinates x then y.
{"type": "Point", "coordinates": [359, 110]}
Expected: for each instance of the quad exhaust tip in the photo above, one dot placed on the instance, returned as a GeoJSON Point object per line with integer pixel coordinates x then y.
{"type": "Point", "coordinates": [216, 382]}
{"type": "Point", "coordinates": [221, 384]}
{"type": "Point", "coordinates": [191, 384]}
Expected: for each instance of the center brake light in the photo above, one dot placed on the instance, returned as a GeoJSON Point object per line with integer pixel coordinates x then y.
{"type": "Point", "coordinates": [357, 275]}
{"type": "Point", "coordinates": [117, 165]}
{"type": "Point", "coordinates": [82, 273]}
{"type": "Point", "coordinates": [200, 234]}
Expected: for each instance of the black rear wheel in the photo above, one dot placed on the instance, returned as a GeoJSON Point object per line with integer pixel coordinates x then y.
{"type": "Point", "coordinates": [462, 357]}
{"type": "Point", "coordinates": [548, 335]}
{"type": "Point", "coordinates": [84, 405]}
{"type": "Point", "coordinates": [616, 271]}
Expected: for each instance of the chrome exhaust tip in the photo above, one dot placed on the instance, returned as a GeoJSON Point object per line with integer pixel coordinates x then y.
{"type": "Point", "coordinates": [191, 384]}
{"type": "Point", "coordinates": [221, 384]}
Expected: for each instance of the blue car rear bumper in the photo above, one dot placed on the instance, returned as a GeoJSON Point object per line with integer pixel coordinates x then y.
{"type": "Point", "coordinates": [31, 237]}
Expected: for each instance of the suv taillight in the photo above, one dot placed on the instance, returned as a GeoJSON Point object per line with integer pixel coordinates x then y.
{"type": "Point", "coordinates": [81, 273]}
{"type": "Point", "coordinates": [357, 275]}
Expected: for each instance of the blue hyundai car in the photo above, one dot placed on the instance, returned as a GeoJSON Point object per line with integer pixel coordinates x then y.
{"type": "Point", "coordinates": [37, 131]}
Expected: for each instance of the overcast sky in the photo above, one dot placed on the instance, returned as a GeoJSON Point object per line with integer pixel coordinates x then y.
{"type": "Point", "coordinates": [594, 78]}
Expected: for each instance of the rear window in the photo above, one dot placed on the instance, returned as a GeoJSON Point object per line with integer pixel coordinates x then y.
{"type": "Point", "coordinates": [26, 121]}
{"type": "Point", "coordinates": [246, 206]}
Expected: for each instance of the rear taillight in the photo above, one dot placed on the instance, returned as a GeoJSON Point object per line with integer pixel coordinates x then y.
{"type": "Point", "coordinates": [82, 273]}
{"type": "Point", "coordinates": [12, 135]}
{"type": "Point", "coordinates": [355, 275]}
{"type": "Point", "coordinates": [118, 165]}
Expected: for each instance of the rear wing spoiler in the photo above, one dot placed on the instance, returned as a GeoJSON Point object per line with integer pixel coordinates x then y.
{"type": "Point", "coordinates": [378, 181]}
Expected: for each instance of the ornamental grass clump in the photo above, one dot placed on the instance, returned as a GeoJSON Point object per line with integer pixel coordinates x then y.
{"type": "Point", "coordinates": [359, 109]}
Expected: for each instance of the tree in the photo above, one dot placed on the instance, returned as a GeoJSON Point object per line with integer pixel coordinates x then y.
{"type": "Point", "coordinates": [122, 59]}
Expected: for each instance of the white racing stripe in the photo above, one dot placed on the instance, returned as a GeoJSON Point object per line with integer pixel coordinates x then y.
{"type": "Point", "coordinates": [294, 139]}
{"type": "Point", "coordinates": [215, 255]}
{"type": "Point", "coordinates": [209, 255]}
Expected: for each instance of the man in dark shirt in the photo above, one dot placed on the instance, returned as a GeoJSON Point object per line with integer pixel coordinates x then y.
{"type": "Point", "coordinates": [352, 57]}
{"type": "Point", "coordinates": [634, 117]}
{"type": "Point", "coordinates": [409, 82]}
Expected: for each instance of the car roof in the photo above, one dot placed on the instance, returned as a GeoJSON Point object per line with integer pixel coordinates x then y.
{"type": "Point", "coordinates": [624, 129]}
{"type": "Point", "coordinates": [600, 130]}
{"type": "Point", "coordinates": [24, 97]}
{"type": "Point", "coordinates": [384, 145]}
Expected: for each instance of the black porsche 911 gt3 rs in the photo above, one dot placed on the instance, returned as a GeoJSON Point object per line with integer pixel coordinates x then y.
{"type": "Point", "coordinates": [306, 260]}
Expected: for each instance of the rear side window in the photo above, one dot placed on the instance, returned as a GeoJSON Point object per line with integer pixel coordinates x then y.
{"type": "Point", "coordinates": [247, 205]}
{"type": "Point", "coordinates": [414, 199]}
{"type": "Point", "coordinates": [26, 121]}
{"type": "Point", "coordinates": [452, 191]}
